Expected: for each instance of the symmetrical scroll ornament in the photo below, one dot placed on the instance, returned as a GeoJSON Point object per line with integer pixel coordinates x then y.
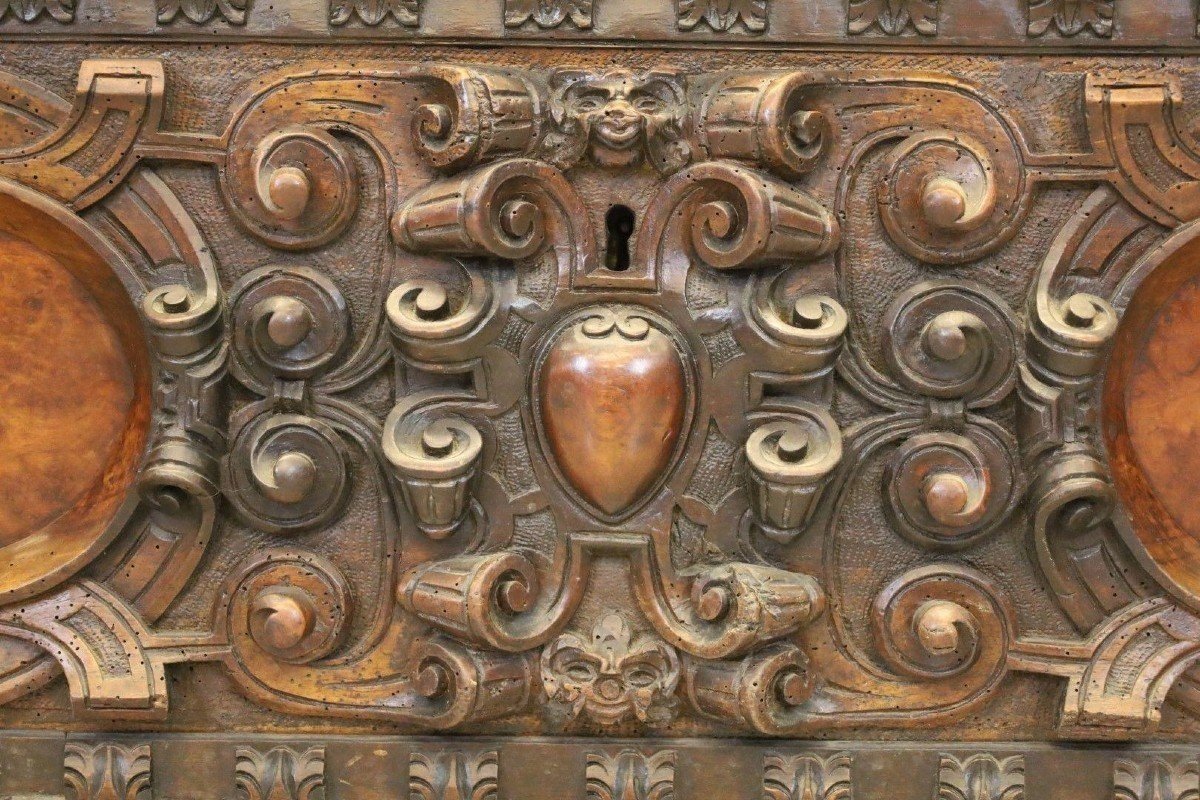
{"type": "Point", "coordinates": [981, 776]}
{"type": "Point", "coordinates": [631, 775]}
{"type": "Point", "coordinates": [722, 15]}
{"type": "Point", "coordinates": [452, 775]}
{"type": "Point", "coordinates": [1153, 776]}
{"type": "Point", "coordinates": [200, 12]}
{"type": "Point", "coordinates": [807, 775]}
{"type": "Point", "coordinates": [31, 10]}
{"type": "Point", "coordinates": [893, 16]}
{"type": "Point", "coordinates": [570, 396]}
{"type": "Point", "coordinates": [107, 771]}
{"type": "Point", "coordinates": [1071, 17]}
{"type": "Point", "coordinates": [279, 773]}
{"type": "Point", "coordinates": [548, 13]}
{"type": "Point", "coordinates": [375, 12]}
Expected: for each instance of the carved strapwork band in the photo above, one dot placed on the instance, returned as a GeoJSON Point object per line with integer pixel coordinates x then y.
{"type": "Point", "coordinates": [1134, 125]}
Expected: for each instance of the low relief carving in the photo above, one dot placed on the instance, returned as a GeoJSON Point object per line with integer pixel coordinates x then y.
{"type": "Point", "coordinates": [31, 10]}
{"type": "Point", "coordinates": [981, 777]}
{"type": "Point", "coordinates": [807, 776]}
{"type": "Point", "coordinates": [548, 13]}
{"type": "Point", "coordinates": [281, 773]}
{"type": "Point", "coordinates": [453, 775]}
{"type": "Point", "coordinates": [892, 17]}
{"type": "Point", "coordinates": [619, 340]}
{"type": "Point", "coordinates": [631, 775]}
{"type": "Point", "coordinates": [107, 771]}
{"type": "Point", "coordinates": [722, 15]}
{"type": "Point", "coordinates": [406, 13]}
{"type": "Point", "coordinates": [202, 11]}
{"type": "Point", "coordinates": [1071, 17]}
{"type": "Point", "coordinates": [1156, 777]}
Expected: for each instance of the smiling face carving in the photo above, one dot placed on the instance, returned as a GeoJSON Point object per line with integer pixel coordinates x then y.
{"type": "Point", "coordinates": [618, 119]}
{"type": "Point", "coordinates": [612, 675]}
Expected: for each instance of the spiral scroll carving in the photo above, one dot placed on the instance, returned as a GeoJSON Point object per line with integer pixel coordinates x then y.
{"type": "Point", "coordinates": [491, 599]}
{"type": "Point", "coordinates": [742, 219]}
{"type": "Point", "coordinates": [761, 118]}
{"type": "Point", "coordinates": [305, 187]}
{"type": "Point", "coordinates": [436, 461]}
{"type": "Point", "coordinates": [813, 325]}
{"type": "Point", "coordinates": [952, 340]}
{"type": "Point", "coordinates": [453, 126]}
{"type": "Point", "coordinates": [789, 459]}
{"type": "Point", "coordinates": [947, 489]}
{"type": "Point", "coordinates": [289, 323]}
{"type": "Point", "coordinates": [947, 198]}
{"type": "Point", "coordinates": [939, 622]}
{"type": "Point", "coordinates": [295, 606]}
{"type": "Point", "coordinates": [287, 472]}
{"type": "Point", "coordinates": [423, 309]}
{"type": "Point", "coordinates": [497, 210]}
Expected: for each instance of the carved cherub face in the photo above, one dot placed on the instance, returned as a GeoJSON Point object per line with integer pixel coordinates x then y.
{"type": "Point", "coordinates": [611, 675]}
{"type": "Point", "coordinates": [619, 117]}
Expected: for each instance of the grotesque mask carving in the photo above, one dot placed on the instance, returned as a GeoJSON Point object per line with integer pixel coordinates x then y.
{"type": "Point", "coordinates": [618, 119]}
{"type": "Point", "coordinates": [612, 675]}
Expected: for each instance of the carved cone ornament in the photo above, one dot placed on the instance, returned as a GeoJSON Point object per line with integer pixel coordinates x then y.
{"type": "Point", "coordinates": [613, 399]}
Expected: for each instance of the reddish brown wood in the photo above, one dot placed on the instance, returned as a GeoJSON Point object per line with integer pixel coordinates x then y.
{"type": "Point", "coordinates": [74, 419]}
{"type": "Point", "coordinates": [1152, 415]}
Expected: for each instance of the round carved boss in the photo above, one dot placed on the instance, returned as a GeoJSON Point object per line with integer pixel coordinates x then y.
{"type": "Point", "coordinates": [75, 377]}
{"type": "Point", "coordinates": [1151, 417]}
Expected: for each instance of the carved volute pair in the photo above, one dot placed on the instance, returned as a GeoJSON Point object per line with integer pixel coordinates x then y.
{"type": "Point", "coordinates": [634, 402]}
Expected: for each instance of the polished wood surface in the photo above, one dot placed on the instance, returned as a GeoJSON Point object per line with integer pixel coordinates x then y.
{"type": "Point", "coordinates": [1152, 415]}
{"type": "Point", "coordinates": [639, 399]}
{"type": "Point", "coordinates": [74, 420]}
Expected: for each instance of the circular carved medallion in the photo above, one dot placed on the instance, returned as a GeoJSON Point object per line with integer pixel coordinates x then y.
{"type": "Point", "coordinates": [1152, 414]}
{"type": "Point", "coordinates": [74, 375]}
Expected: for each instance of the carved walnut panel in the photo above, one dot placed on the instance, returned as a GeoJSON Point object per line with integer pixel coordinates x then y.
{"type": "Point", "coordinates": [358, 395]}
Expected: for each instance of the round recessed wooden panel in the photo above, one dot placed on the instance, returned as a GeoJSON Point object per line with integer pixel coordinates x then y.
{"type": "Point", "coordinates": [1152, 417]}
{"type": "Point", "coordinates": [74, 379]}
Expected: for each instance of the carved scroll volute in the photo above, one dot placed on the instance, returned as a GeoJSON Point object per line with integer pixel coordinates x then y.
{"type": "Point", "coordinates": [789, 459]}
{"type": "Point", "coordinates": [765, 692]}
{"type": "Point", "coordinates": [435, 459]}
{"type": "Point", "coordinates": [1068, 336]}
{"type": "Point", "coordinates": [950, 198]}
{"type": "Point", "coordinates": [738, 218]}
{"type": "Point", "coordinates": [436, 322]}
{"type": "Point", "coordinates": [760, 118]}
{"type": "Point", "coordinates": [811, 327]}
{"type": "Point", "coordinates": [493, 600]}
{"type": "Point", "coordinates": [943, 621]}
{"type": "Point", "coordinates": [500, 210]}
{"type": "Point", "coordinates": [297, 189]}
{"type": "Point", "coordinates": [472, 114]}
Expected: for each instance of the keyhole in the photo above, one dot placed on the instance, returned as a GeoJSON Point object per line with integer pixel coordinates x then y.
{"type": "Point", "coordinates": [619, 223]}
